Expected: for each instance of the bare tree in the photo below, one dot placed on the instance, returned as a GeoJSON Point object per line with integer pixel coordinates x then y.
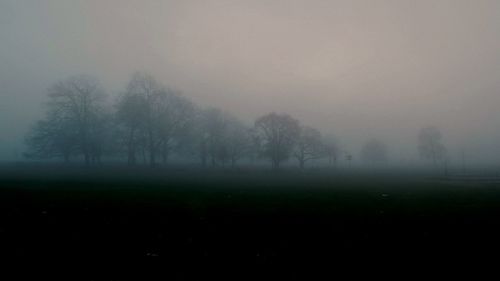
{"type": "Point", "coordinates": [101, 137]}
{"type": "Point", "coordinates": [374, 151]}
{"type": "Point", "coordinates": [131, 117]}
{"type": "Point", "coordinates": [255, 147]}
{"type": "Point", "coordinates": [309, 146]}
{"type": "Point", "coordinates": [278, 134]}
{"type": "Point", "coordinates": [430, 146]}
{"type": "Point", "coordinates": [149, 91]}
{"type": "Point", "coordinates": [153, 116]}
{"type": "Point", "coordinates": [214, 123]}
{"type": "Point", "coordinates": [238, 139]}
{"type": "Point", "coordinates": [176, 118]}
{"type": "Point", "coordinates": [332, 150]}
{"type": "Point", "coordinates": [222, 137]}
{"type": "Point", "coordinates": [196, 140]}
{"type": "Point", "coordinates": [75, 120]}
{"type": "Point", "coordinates": [51, 138]}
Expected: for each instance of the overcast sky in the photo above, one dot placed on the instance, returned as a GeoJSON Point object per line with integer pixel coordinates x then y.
{"type": "Point", "coordinates": [358, 69]}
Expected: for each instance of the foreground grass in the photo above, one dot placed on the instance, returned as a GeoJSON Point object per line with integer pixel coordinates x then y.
{"type": "Point", "coordinates": [181, 217]}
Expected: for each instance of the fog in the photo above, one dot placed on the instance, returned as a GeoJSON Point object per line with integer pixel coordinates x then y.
{"type": "Point", "coordinates": [356, 69]}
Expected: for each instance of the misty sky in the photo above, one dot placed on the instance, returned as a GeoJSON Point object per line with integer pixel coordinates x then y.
{"type": "Point", "coordinates": [359, 69]}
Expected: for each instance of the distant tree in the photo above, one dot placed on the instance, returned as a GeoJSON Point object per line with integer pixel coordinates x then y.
{"type": "Point", "coordinates": [255, 147]}
{"type": "Point", "coordinates": [332, 150]}
{"type": "Point", "coordinates": [101, 136]}
{"type": "Point", "coordinates": [221, 137]}
{"type": "Point", "coordinates": [278, 134]}
{"type": "Point", "coordinates": [51, 138]}
{"type": "Point", "coordinates": [131, 119]}
{"type": "Point", "coordinates": [374, 151]}
{"type": "Point", "coordinates": [238, 140]}
{"type": "Point", "coordinates": [177, 116]}
{"type": "Point", "coordinates": [309, 146]}
{"type": "Point", "coordinates": [196, 141]}
{"type": "Point", "coordinates": [74, 121]}
{"type": "Point", "coordinates": [154, 117]}
{"type": "Point", "coordinates": [430, 146]}
{"type": "Point", "coordinates": [214, 126]}
{"type": "Point", "coordinates": [146, 92]}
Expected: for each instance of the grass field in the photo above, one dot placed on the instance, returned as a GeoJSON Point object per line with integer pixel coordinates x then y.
{"type": "Point", "coordinates": [175, 220]}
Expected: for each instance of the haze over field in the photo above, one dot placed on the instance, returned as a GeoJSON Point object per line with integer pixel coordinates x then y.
{"type": "Point", "coordinates": [357, 69]}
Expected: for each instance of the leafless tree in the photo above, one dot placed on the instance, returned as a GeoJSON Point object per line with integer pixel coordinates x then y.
{"type": "Point", "coordinates": [332, 150]}
{"type": "Point", "coordinates": [176, 118]}
{"type": "Point", "coordinates": [222, 137]}
{"type": "Point", "coordinates": [131, 118]}
{"type": "Point", "coordinates": [75, 120]}
{"type": "Point", "coordinates": [154, 116]}
{"type": "Point", "coordinates": [52, 138]}
{"type": "Point", "coordinates": [309, 146]}
{"type": "Point", "coordinates": [255, 147]}
{"type": "Point", "coordinates": [237, 140]}
{"type": "Point", "coordinates": [278, 134]}
{"type": "Point", "coordinates": [430, 145]}
{"type": "Point", "coordinates": [213, 128]}
{"type": "Point", "coordinates": [145, 89]}
{"type": "Point", "coordinates": [196, 141]}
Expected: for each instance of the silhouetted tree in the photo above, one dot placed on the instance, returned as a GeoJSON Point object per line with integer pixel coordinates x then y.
{"type": "Point", "coordinates": [237, 140]}
{"type": "Point", "coordinates": [221, 137]}
{"type": "Point", "coordinates": [101, 139]}
{"type": "Point", "coordinates": [255, 147]}
{"type": "Point", "coordinates": [332, 150]}
{"type": "Point", "coordinates": [75, 121]}
{"type": "Point", "coordinates": [177, 115]}
{"type": "Point", "coordinates": [131, 116]}
{"type": "Point", "coordinates": [430, 146]}
{"type": "Point", "coordinates": [148, 92]}
{"type": "Point", "coordinates": [154, 117]}
{"type": "Point", "coordinates": [278, 135]}
{"type": "Point", "coordinates": [309, 146]}
{"type": "Point", "coordinates": [196, 140]}
{"type": "Point", "coordinates": [51, 138]}
{"type": "Point", "coordinates": [214, 126]}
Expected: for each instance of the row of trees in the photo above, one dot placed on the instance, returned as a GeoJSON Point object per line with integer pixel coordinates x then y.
{"type": "Point", "coordinates": [150, 121]}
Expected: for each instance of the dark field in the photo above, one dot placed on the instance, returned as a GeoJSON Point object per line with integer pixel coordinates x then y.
{"type": "Point", "coordinates": [187, 223]}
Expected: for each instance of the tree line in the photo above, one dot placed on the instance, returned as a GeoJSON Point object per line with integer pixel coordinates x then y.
{"type": "Point", "coordinates": [149, 122]}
